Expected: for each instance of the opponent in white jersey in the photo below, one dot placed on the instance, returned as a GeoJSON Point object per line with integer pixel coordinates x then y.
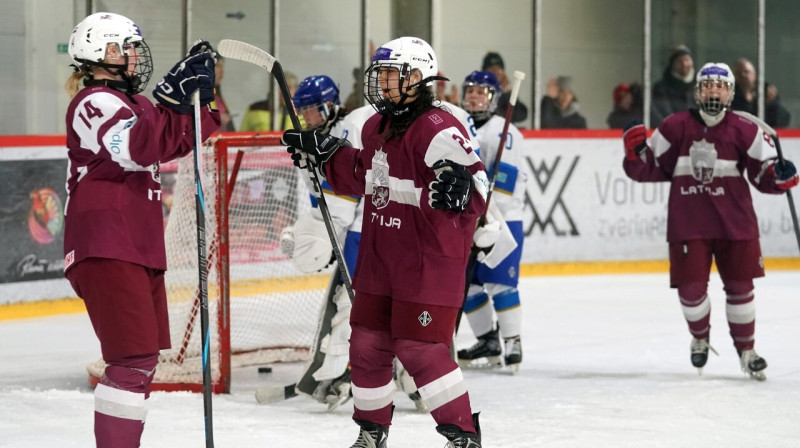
{"type": "Point", "coordinates": [497, 275]}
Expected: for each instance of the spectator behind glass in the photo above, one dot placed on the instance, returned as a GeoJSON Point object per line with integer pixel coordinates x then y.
{"type": "Point", "coordinates": [627, 105]}
{"type": "Point", "coordinates": [356, 97]}
{"type": "Point", "coordinates": [258, 116]}
{"type": "Point", "coordinates": [560, 106]}
{"type": "Point", "coordinates": [493, 62]}
{"type": "Point", "coordinates": [675, 91]}
{"type": "Point", "coordinates": [225, 115]}
{"type": "Point", "coordinates": [745, 96]}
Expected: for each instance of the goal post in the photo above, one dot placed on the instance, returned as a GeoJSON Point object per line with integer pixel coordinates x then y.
{"type": "Point", "coordinates": [262, 310]}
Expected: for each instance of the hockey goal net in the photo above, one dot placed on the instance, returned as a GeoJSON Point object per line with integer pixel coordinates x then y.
{"type": "Point", "coordinates": [261, 309]}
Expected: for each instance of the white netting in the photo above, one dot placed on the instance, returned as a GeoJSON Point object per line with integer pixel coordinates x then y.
{"type": "Point", "coordinates": [273, 308]}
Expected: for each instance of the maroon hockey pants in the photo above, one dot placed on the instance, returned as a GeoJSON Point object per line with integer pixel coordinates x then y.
{"type": "Point", "coordinates": [738, 262]}
{"type": "Point", "coordinates": [126, 303]}
{"type": "Point", "coordinates": [429, 363]}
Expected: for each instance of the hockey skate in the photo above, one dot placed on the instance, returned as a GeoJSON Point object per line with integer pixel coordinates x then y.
{"type": "Point", "coordinates": [513, 356]}
{"type": "Point", "coordinates": [699, 353]}
{"type": "Point", "coordinates": [457, 438]}
{"type": "Point", "coordinates": [752, 364]}
{"type": "Point", "coordinates": [334, 392]}
{"type": "Point", "coordinates": [371, 435]}
{"type": "Point", "coordinates": [485, 354]}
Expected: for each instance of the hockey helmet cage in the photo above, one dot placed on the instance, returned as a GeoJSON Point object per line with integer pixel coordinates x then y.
{"type": "Point", "coordinates": [407, 55]}
{"type": "Point", "coordinates": [714, 74]}
{"type": "Point", "coordinates": [91, 38]}
{"type": "Point", "coordinates": [487, 80]}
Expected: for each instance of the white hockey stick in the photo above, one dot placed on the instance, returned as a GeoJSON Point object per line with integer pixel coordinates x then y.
{"type": "Point", "coordinates": [241, 51]}
{"type": "Point", "coordinates": [274, 394]}
{"type": "Point", "coordinates": [774, 135]}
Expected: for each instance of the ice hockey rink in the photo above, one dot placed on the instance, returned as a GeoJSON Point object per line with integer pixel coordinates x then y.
{"type": "Point", "coordinates": [606, 364]}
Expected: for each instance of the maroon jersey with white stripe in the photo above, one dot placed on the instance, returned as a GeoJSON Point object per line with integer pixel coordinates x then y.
{"type": "Point", "coordinates": [115, 143]}
{"type": "Point", "coordinates": [709, 196]}
{"type": "Point", "coordinates": [409, 250]}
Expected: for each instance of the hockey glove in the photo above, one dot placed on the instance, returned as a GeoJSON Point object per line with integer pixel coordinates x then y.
{"type": "Point", "coordinates": [785, 174]}
{"type": "Point", "coordinates": [635, 139]}
{"type": "Point", "coordinates": [311, 145]}
{"type": "Point", "coordinates": [452, 187]}
{"type": "Point", "coordinates": [190, 74]}
{"type": "Point", "coordinates": [486, 235]}
{"type": "Point", "coordinates": [201, 46]}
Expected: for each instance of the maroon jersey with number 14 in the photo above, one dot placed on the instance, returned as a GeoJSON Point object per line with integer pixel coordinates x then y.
{"type": "Point", "coordinates": [115, 143]}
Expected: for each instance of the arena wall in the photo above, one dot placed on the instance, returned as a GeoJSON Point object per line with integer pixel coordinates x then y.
{"type": "Point", "coordinates": [582, 215]}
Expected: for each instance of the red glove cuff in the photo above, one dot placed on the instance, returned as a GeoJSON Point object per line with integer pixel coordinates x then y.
{"type": "Point", "coordinates": [635, 140]}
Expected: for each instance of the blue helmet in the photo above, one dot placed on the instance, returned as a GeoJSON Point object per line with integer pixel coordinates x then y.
{"type": "Point", "coordinates": [315, 93]}
{"type": "Point", "coordinates": [481, 110]}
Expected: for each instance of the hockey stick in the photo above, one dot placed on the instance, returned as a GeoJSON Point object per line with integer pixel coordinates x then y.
{"type": "Point", "coordinates": [774, 135]}
{"type": "Point", "coordinates": [200, 210]}
{"type": "Point", "coordinates": [241, 51]}
{"type": "Point", "coordinates": [271, 393]}
{"type": "Point", "coordinates": [473, 255]}
{"type": "Point", "coordinates": [274, 394]}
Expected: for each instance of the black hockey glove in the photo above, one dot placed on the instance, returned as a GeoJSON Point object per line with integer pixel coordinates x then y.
{"type": "Point", "coordinates": [193, 72]}
{"type": "Point", "coordinates": [452, 188]}
{"type": "Point", "coordinates": [312, 146]}
{"type": "Point", "coordinates": [201, 46]}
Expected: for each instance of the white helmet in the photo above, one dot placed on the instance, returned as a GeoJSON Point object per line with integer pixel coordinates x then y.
{"type": "Point", "coordinates": [714, 74]}
{"type": "Point", "coordinates": [407, 55]}
{"type": "Point", "coordinates": [92, 36]}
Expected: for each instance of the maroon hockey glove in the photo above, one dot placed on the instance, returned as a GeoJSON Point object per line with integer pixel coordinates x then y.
{"type": "Point", "coordinates": [635, 139]}
{"type": "Point", "coordinates": [785, 174]}
{"type": "Point", "coordinates": [318, 147]}
{"type": "Point", "coordinates": [452, 188]}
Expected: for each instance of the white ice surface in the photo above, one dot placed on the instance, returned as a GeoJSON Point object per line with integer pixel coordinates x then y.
{"type": "Point", "coordinates": [606, 364]}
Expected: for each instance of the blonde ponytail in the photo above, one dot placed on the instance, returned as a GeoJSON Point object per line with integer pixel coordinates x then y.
{"type": "Point", "coordinates": [73, 84]}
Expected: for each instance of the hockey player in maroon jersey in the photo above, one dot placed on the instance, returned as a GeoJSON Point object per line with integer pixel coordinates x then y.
{"type": "Point", "coordinates": [114, 240]}
{"type": "Point", "coordinates": [424, 188]}
{"type": "Point", "coordinates": [704, 153]}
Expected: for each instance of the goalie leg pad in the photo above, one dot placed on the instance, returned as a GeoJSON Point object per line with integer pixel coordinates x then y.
{"type": "Point", "coordinates": [313, 250]}
{"type": "Point", "coordinates": [336, 345]}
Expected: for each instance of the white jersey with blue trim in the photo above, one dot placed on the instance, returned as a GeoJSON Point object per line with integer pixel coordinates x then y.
{"type": "Point", "coordinates": [509, 188]}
